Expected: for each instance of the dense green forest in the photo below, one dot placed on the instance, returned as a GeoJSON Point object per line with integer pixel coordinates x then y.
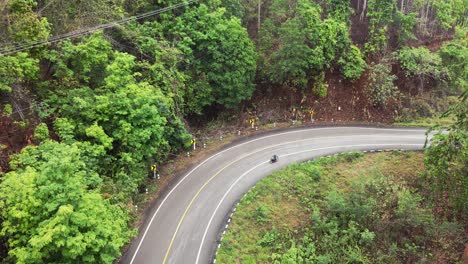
{"type": "Point", "coordinates": [82, 119]}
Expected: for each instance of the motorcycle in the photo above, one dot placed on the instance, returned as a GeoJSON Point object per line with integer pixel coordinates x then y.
{"type": "Point", "coordinates": [274, 158]}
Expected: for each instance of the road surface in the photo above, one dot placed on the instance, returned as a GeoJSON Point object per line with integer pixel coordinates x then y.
{"type": "Point", "coordinates": [185, 224]}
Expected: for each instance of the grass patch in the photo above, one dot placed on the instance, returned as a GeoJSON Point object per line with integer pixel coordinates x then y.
{"type": "Point", "coordinates": [428, 122]}
{"type": "Point", "coordinates": [351, 208]}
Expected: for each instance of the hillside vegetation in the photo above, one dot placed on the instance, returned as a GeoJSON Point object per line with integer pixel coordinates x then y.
{"type": "Point", "coordinates": [82, 120]}
{"type": "Point", "coordinates": [354, 208]}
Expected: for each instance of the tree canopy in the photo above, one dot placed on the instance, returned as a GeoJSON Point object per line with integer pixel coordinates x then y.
{"type": "Point", "coordinates": [51, 214]}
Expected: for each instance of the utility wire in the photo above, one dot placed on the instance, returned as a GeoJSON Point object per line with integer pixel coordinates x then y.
{"type": "Point", "coordinates": [44, 7]}
{"type": "Point", "coordinates": [7, 51]}
{"type": "Point", "coordinates": [78, 33]}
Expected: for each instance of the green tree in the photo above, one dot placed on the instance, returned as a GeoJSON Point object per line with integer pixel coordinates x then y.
{"type": "Point", "coordinates": [381, 87]}
{"type": "Point", "coordinates": [94, 55]}
{"type": "Point", "coordinates": [71, 15]}
{"type": "Point", "coordinates": [296, 46]}
{"type": "Point", "coordinates": [291, 65]}
{"type": "Point", "coordinates": [444, 14]}
{"type": "Point", "coordinates": [380, 15]}
{"type": "Point", "coordinates": [404, 24]}
{"type": "Point", "coordinates": [120, 121]}
{"type": "Point", "coordinates": [352, 63]}
{"type": "Point", "coordinates": [454, 56]}
{"type": "Point", "coordinates": [25, 25]}
{"type": "Point", "coordinates": [421, 63]}
{"type": "Point", "coordinates": [339, 10]}
{"type": "Point", "coordinates": [446, 162]}
{"type": "Point", "coordinates": [41, 132]}
{"type": "Point", "coordinates": [52, 216]}
{"type": "Point", "coordinates": [18, 69]}
{"type": "Point", "coordinates": [220, 57]}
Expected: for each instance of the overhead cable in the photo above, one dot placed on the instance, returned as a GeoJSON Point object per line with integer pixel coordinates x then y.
{"type": "Point", "coordinates": [29, 45]}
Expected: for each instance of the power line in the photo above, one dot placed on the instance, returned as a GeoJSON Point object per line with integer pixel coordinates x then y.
{"type": "Point", "coordinates": [74, 34]}
{"type": "Point", "coordinates": [78, 33]}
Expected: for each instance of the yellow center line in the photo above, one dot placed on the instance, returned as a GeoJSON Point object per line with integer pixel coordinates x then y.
{"type": "Point", "coordinates": [217, 173]}
{"type": "Point", "coordinates": [188, 208]}
{"type": "Point", "coordinates": [208, 181]}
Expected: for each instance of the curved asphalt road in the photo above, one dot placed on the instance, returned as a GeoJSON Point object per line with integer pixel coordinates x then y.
{"type": "Point", "coordinates": [185, 224]}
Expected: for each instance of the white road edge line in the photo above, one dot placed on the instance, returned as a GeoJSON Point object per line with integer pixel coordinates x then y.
{"type": "Point", "coordinates": [258, 165]}
{"type": "Point", "coordinates": [236, 146]}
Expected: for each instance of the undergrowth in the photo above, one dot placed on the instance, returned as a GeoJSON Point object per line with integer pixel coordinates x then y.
{"type": "Point", "coordinates": [351, 208]}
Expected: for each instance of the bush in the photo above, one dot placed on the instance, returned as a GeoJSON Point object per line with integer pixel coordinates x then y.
{"type": "Point", "coordinates": [319, 88]}
{"type": "Point", "coordinates": [381, 88]}
{"type": "Point", "coordinates": [41, 132]}
{"type": "Point", "coordinates": [7, 110]}
{"type": "Point", "coordinates": [261, 214]}
{"type": "Point", "coordinates": [269, 238]}
{"type": "Point", "coordinates": [351, 156]}
{"type": "Point", "coordinates": [312, 171]}
{"type": "Point", "coordinates": [352, 63]}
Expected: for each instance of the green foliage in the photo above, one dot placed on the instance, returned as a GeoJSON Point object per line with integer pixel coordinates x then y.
{"type": "Point", "coordinates": [25, 25]}
{"type": "Point", "coordinates": [269, 238]}
{"type": "Point", "coordinates": [444, 15]}
{"type": "Point", "coordinates": [291, 64]}
{"type": "Point", "coordinates": [221, 57]}
{"type": "Point", "coordinates": [71, 15]}
{"type": "Point", "coordinates": [422, 63]}
{"type": "Point", "coordinates": [41, 132]}
{"type": "Point", "coordinates": [234, 8]}
{"type": "Point", "coordinates": [7, 110]}
{"type": "Point", "coordinates": [352, 63]}
{"type": "Point", "coordinates": [353, 213]}
{"type": "Point", "coordinates": [89, 69]}
{"type": "Point", "coordinates": [405, 24]}
{"type": "Point", "coordinates": [339, 10]}
{"type": "Point", "coordinates": [454, 55]}
{"type": "Point", "coordinates": [381, 87]}
{"type": "Point", "coordinates": [446, 160]}
{"type": "Point", "coordinates": [50, 215]}
{"type": "Point", "coordinates": [16, 70]}
{"type": "Point", "coordinates": [320, 88]}
{"type": "Point", "coordinates": [380, 14]}
{"type": "Point", "coordinates": [162, 67]}
{"type": "Point", "coordinates": [296, 49]}
{"type": "Point", "coordinates": [261, 214]}
{"type": "Point", "coordinates": [122, 122]}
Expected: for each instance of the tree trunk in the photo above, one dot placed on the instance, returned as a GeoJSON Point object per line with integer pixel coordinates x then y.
{"type": "Point", "coordinates": [421, 84]}
{"type": "Point", "coordinates": [364, 6]}
{"type": "Point", "coordinates": [258, 15]}
{"type": "Point", "coordinates": [426, 17]}
{"type": "Point", "coordinates": [402, 8]}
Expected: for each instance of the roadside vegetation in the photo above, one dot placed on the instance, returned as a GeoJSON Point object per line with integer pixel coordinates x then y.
{"type": "Point", "coordinates": [83, 120]}
{"type": "Point", "coordinates": [399, 207]}
{"type": "Point", "coordinates": [353, 208]}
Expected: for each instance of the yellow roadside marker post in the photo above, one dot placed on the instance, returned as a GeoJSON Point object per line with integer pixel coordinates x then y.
{"type": "Point", "coordinates": [194, 143]}
{"type": "Point", "coordinates": [252, 122]}
{"type": "Point", "coordinates": [311, 112]}
{"type": "Point", "coordinates": [154, 170]}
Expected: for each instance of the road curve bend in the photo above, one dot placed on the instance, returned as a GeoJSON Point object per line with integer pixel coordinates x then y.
{"type": "Point", "coordinates": [184, 226]}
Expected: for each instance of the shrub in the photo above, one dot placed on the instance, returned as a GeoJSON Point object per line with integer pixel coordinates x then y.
{"type": "Point", "coordinates": [261, 214]}
{"type": "Point", "coordinates": [41, 132]}
{"type": "Point", "coordinates": [381, 87]}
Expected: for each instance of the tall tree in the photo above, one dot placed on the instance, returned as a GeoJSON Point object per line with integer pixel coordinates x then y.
{"type": "Point", "coordinates": [422, 63]}
{"type": "Point", "coordinates": [51, 215]}
{"type": "Point", "coordinates": [221, 57]}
